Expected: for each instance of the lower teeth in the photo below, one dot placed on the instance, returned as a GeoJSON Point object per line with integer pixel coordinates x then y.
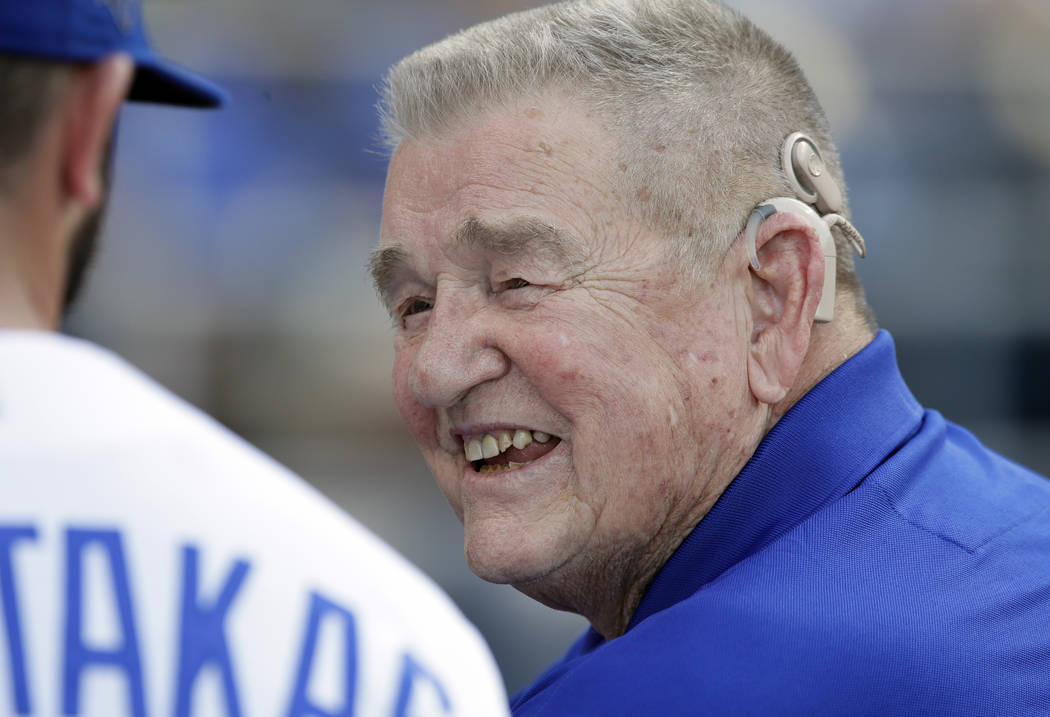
{"type": "Point", "coordinates": [499, 468]}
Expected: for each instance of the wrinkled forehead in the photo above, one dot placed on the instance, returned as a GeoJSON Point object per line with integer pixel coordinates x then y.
{"type": "Point", "coordinates": [526, 145]}
{"type": "Point", "coordinates": [532, 179]}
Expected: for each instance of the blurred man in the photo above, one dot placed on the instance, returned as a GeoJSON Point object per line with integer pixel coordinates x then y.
{"type": "Point", "coordinates": [635, 354]}
{"type": "Point", "coordinates": [150, 562]}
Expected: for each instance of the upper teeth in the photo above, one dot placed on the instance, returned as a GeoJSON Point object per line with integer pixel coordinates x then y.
{"type": "Point", "coordinates": [491, 445]}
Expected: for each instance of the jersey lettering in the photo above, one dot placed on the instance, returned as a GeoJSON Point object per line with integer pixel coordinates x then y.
{"type": "Point", "coordinates": [414, 674]}
{"type": "Point", "coordinates": [9, 535]}
{"type": "Point", "coordinates": [80, 656]}
{"type": "Point", "coordinates": [202, 634]}
{"type": "Point", "coordinates": [301, 704]}
{"type": "Point", "coordinates": [202, 638]}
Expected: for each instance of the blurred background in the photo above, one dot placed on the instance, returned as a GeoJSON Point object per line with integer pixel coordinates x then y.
{"type": "Point", "coordinates": [233, 263]}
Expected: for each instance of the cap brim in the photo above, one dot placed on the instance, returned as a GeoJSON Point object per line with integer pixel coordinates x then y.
{"type": "Point", "coordinates": [162, 82]}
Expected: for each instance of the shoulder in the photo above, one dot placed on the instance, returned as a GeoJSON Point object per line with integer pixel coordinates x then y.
{"type": "Point", "coordinates": [68, 401]}
{"type": "Point", "coordinates": [867, 608]}
{"type": "Point", "coordinates": [946, 482]}
{"type": "Point", "coordinates": [55, 388]}
{"type": "Point", "coordinates": [746, 649]}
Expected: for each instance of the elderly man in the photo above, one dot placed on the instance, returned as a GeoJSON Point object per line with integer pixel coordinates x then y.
{"type": "Point", "coordinates": [635, 354]}
{"type": "Point", "coordinates": [150, 561]}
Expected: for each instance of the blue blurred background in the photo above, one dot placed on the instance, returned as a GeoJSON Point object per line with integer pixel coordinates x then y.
{"type": "Point", "coordinates": [233, 263]}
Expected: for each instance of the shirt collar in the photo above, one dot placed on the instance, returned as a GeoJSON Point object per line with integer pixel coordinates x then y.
{"type": "Point", "coordinates": [817, 452]}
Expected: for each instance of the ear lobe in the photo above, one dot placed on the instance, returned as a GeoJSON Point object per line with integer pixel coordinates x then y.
{"type": "Point", "coordinates": [783, 297]}
{"type": "Point", "coordinates": [94, 98]}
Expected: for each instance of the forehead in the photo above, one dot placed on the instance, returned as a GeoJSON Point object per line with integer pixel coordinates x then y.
{"type": "Point", "coordinates": [540, 169]}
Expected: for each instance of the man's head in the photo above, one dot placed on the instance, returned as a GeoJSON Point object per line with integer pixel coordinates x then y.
{"type": "Point", "coordinates": [65, 68]}
{"type": "Point", "coordinates": [560, 250]}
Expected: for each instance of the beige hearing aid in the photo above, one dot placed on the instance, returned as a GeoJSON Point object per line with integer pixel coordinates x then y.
{"type": "Point", "coordinates": [806, 172]}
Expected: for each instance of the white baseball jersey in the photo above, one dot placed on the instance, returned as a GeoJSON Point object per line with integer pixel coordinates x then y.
{"type": "Point", "coordinates": [151, 563]}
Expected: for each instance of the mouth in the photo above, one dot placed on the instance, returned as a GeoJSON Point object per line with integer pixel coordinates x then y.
{"type": "Point", "coordinates": [507, 449]}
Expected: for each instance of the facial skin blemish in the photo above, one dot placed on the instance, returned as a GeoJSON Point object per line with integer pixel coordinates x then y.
{"type": "Point", "coordinates": [643, 194]}
{"type": "Point", "coordinates": [546, 149]}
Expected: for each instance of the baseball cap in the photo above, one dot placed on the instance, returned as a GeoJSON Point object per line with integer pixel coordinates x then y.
{"type": "Point", "coordinates": [88, 30]}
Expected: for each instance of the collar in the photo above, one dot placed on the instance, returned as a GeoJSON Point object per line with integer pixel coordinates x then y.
{"type": "Point", "coordinates": [821, 449]}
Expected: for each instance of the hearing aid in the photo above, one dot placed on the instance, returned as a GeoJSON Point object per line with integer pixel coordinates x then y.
{"type": "Point", "coordinates": [818, 202]}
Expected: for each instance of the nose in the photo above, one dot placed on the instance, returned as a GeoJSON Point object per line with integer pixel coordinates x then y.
{"type": "Point", "coordinates": [456, 354]}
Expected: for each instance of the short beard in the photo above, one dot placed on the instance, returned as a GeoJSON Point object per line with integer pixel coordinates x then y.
{"type": "Point", "coordinates": [84, 244]}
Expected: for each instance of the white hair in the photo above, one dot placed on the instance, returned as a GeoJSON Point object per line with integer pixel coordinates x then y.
{"type": "Point", "coordinates": [698, 99]}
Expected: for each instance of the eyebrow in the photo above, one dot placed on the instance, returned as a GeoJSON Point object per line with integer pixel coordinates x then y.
{"type": "Point", "coordinates": [514, 238]}
{"type": "Point", "coordinates": [384, 264]}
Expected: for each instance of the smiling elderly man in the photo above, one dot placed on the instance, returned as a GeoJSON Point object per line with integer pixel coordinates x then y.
{"type": "Point", "coordinates": [633, 349]}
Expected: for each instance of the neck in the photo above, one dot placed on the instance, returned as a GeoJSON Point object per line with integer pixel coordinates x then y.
{"type": "Point", "coordinates": [607, 589]}
{"type": "Point", "coordinates": [830, 346]}
{"type": "Point", "coordinates": [32, 264]}
{"type": "Point", "coordinates": [608, 597]}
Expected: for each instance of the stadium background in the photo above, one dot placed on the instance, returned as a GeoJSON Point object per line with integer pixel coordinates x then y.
{"type": "Point", "coordinates": [232, 267]}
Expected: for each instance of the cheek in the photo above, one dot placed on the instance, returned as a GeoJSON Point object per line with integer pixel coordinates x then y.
{"type": "Point", "coordinates": [577, 363]}
{"type": "Point", "coordinates": [620, 397]}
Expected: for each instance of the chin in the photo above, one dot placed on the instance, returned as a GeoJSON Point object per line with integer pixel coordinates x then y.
{"type": "Point", "coordinates": [510, 554]}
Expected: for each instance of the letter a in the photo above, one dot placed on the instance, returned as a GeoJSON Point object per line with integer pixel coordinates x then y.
{"type": "Point", "coordinates": [412, 674]}
{"type": "Point", "coordinates": [301, 706]}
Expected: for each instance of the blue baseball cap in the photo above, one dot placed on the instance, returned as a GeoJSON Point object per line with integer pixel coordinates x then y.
{"type": "Point", "coordinates": [87, 31]}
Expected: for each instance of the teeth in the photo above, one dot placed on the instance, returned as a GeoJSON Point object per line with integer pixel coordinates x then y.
{"type": "Point", "coordinates": [489, 446]}
{"type": "Point", "coordinates": [500, 468]}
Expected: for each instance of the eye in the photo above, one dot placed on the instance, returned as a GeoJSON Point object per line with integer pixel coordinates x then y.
{"type": "Point", "coordinates": [412, 307]}
{"type": "Point", "coordinates": [515, 283]}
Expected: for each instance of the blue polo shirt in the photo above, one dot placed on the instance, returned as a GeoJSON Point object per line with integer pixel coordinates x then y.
{"type": "Point", "coordinates": [871, 559]}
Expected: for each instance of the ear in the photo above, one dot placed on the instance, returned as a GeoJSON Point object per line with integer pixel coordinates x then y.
{"type": "Point", "coordinates": [783, 297]}
{"type": "Point", "coordinates": [95, 94]}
